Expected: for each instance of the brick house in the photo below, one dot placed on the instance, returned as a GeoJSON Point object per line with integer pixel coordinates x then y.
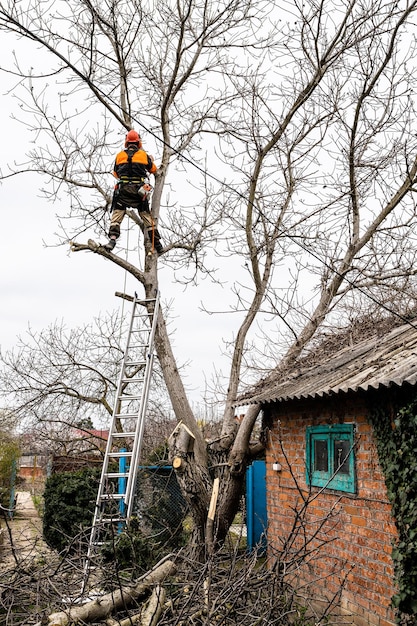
{"type": "Point", "coordinates": [323, 470]}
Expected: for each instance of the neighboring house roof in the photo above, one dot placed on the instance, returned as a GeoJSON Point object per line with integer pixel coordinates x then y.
{"type": "Point", "coordinates": [387, 361]}
{"type": "Point", "coordinates": [87, 440]}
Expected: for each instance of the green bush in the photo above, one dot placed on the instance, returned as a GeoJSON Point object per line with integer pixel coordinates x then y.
{"type": "Point", "coordinates": [69, 501]}
{"type": "Point", "coordinates": [133, 550]}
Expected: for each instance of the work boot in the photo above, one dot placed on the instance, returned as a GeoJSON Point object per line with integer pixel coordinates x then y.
{"type": "Point", "coordinates": [159, 247]}
{"type": "Point", "coordinates": [110, 245]}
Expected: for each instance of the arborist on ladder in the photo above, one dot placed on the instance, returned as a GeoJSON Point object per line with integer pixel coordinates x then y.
{"type": "Point", "coordinates": [131, 168]}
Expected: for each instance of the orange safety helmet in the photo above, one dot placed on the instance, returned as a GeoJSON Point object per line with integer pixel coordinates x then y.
{"type": "Point", "coordinates": [133, 137]}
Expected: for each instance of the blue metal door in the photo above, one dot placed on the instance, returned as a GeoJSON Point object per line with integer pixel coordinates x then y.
{"type": "Point", "coordinates": [256, 516]}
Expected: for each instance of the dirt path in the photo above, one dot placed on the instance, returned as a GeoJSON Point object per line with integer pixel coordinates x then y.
{"type": "Point", "coordinates": [26, 531]}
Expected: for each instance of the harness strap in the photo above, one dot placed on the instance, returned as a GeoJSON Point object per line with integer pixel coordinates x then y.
{"type": "Point", "coordinates": [125, 180]}
{"type": "Point", "coordinates": [130, 152]}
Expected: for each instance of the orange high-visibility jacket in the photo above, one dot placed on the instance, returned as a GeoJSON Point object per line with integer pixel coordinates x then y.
{"type": "Point", "coordinates": [141, 164]}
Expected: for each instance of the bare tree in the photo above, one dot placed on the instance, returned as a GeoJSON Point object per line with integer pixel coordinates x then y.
{"type": "Point", "coordinates": [62, 379]}
{"type": "Point", "coordinates": [305, 109]}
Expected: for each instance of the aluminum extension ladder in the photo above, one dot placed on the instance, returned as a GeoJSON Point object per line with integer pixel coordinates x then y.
{"type": "Point", "coordinates": [116, 492]}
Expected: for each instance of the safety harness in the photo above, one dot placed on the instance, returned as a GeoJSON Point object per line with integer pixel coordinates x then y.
{"type": "Point", "coordinates": [130, 151]}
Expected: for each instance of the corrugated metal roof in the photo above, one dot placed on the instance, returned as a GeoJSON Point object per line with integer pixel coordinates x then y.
{"type": "Point", "coordinates": [370, 364]}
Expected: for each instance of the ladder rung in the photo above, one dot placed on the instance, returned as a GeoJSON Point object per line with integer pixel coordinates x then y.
{"type": "Point", "coordinates": [111, 520]}
{"type": "Point", "coordinates": [129, 397]}
{"type": "Point", "coordinates": [119, 455]}
{"type": "Point", "coordinates": [117, 475]}
{"type": "Point", "coordinates": [134, 363]}
{"type": "Point", "coordinates": [132, 380]}
{"type": "Point", "coordinates": [126, 415]}
{"type": "Point", "coordinates": [112, 496]}
{"type": "Point", "coordinates": [121, 435]}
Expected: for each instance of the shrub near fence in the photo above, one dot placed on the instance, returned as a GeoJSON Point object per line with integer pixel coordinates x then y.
{"type": "Point", "coordinates": [158, 514]}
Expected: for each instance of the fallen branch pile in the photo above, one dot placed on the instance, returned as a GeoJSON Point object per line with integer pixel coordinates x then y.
{"type": "Point", "coordinates": [102, 607]}
{"type": "Point", "coordinates": [231, 588]}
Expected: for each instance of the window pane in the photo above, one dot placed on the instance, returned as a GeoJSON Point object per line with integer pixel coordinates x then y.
{"type": "Point", "coordinates": [341, 456]}
{"type": "Point", "coordinates": [321, 455]}
{"type": "Point", "coordinates": [330, 457]}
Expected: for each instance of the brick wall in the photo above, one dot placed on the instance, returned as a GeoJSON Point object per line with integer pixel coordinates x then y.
{"type": "Point", "coordinates": [352, 534]}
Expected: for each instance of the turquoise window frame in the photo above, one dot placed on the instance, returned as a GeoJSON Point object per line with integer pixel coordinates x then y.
{"type": "Point", "coordinates": [329, 470]}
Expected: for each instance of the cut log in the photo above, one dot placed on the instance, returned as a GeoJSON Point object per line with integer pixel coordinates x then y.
{"type": "Point", "coordinates": [149, 616]}
{"type": "Point", "coordinates": [181, 439]}
{"type": "Point", "coordinates": [153, 611]}
{"type": "Point", "coordinates": [102, 607]}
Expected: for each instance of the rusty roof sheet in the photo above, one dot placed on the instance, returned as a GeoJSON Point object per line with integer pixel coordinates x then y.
{"type": "Point", "coordinates": [372, 363]}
